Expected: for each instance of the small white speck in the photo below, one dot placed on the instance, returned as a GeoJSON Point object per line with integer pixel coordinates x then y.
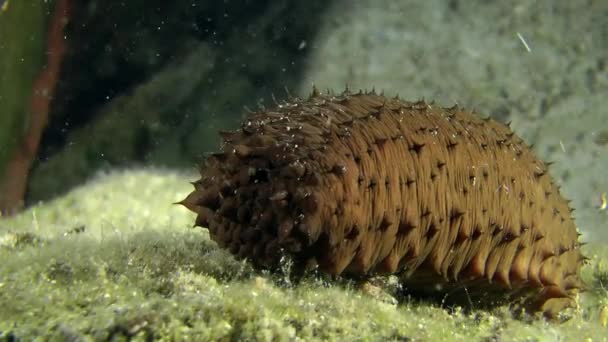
{"type": "Point", "coordinates": [523, 41]}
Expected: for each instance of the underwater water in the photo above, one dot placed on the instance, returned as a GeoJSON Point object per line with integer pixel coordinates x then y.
{"type": "Point", "coordinates": [107, 109]}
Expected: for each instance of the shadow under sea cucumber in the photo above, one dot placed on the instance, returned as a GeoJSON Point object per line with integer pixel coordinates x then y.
{"type": "Point", "coordinates": [362, 184]}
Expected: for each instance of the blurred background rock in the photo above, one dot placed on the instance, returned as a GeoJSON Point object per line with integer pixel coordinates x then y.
{"type": "Point", "coordinates": [150, 83]}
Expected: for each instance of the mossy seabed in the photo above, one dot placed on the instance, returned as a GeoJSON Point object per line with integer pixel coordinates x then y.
{"type": "Point", "coordinates": [114, 259]}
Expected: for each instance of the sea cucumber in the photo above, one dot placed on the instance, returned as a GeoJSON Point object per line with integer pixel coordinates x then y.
{"type": "Point", "coordinates": [361, 184]}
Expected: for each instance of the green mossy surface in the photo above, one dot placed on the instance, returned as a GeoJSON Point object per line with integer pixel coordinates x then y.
{"type": "Point", "coordinates": [114, 259]}
{"type": "Point", "coordinates": [22, 45]}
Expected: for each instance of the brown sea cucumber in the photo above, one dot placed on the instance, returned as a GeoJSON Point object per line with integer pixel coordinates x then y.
{"type": "Point", "coordinates": [363, 184]}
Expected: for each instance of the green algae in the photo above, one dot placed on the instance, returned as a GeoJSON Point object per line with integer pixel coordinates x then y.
{"type": "Point", "coordinates": [114, 259]}
{"type": "Point", "coordinates": [22, 45]}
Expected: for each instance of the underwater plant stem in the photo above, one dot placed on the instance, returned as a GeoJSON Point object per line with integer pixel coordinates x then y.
{"type": "Point", "coordinates": [14, 182]}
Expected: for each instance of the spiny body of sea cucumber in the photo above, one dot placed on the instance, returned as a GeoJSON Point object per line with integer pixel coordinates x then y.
{"type": "Point", "coordinates": [362, 184]}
